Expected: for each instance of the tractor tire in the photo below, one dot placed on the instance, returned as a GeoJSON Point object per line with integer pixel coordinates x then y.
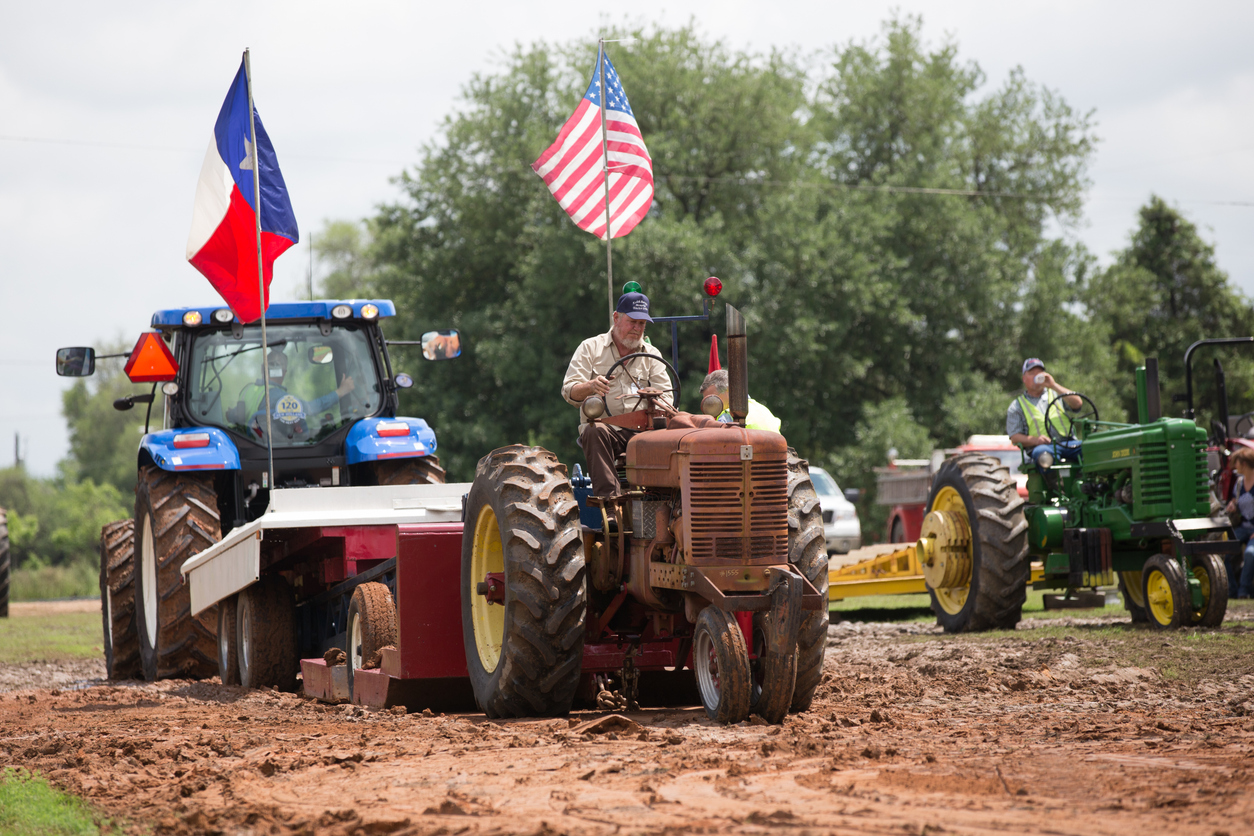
{"type": "Point", "coordinates": [980, 488]}
{"type": "Point", "coordinates": [117, 600]}
{"type": "Point", "coordinates": [1212, 575]}
{"type": "Point", "coordinates": [1133, 596]}
{"type": "Point", "coordinates": [228, 643]}
{"type": "Point", "coordinates": [5, 564]}
{"type": "Point", "coordinates": [421, 470]}
{"type": "Point", "coordinates": [525, 655]}
{"type": "Point", "coordinates": [807, 550]}
{"type": "Point", "coordinates": [1166, 593]}
{"type": "Point", "coordinates": [371, 626]}
{"type": "Point", "coordinates": [265, 635]}
{"type": "Point", "coordinates": [720, 659]}
{"type": "Point", "coordinates": [176, 517]}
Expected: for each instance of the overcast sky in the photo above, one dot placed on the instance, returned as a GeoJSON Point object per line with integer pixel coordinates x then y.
{"type": "Point", "coordinates": [106, 110]}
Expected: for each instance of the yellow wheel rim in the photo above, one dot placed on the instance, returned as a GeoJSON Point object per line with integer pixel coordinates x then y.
{"type": "Point", "coordinates": [952, 599]}
{"type": "Point", "coordinates": [487, 619]}
{"type": "Point", "coordinates": [1132, 586]}
{"type": "Point", "coordinates": [1203, 581]}
{"type": "Point", "coordinates": [1158, 598]}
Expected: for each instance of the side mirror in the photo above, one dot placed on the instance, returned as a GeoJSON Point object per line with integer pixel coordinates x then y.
{"type": "Point", "coordinates": [76, 362]}
{"type": "Point", "coordinates": [320, 354]}
{"type": "Point", "coordinates": [853, 494]}
{"type": "Point", "coordinates": [442, 345]}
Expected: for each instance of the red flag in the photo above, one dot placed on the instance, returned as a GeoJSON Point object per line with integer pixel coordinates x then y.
{"type": "Point", "coordinates": [714, 364]}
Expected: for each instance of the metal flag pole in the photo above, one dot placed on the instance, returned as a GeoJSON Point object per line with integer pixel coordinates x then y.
{"type": "Point", "coordinates": [605, 170]}
{"type": "Point", "coordinates": [261, 279]}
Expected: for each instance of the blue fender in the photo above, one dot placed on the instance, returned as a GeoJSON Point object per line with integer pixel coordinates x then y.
{"type": "Point", "coordinates": [365, 444]}
{"type": "Point", "coordinates": [218, 454]}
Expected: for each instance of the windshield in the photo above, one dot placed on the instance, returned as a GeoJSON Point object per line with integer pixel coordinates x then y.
{"type": "Point", "coordinates": [824, 485]}
{"type": "Point", "coordinates": [317, 383]}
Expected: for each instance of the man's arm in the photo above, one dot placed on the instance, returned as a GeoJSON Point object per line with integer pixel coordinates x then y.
{"type": "Point", "coordinates": [575, 386]}
{"type": "Point", "coordinates": [1017, 427]}
{"type": "Point", "coordinates": [1071, 401]}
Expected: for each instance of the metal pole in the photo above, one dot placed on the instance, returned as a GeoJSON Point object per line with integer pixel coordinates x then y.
{"type": "Point", "coordinates": [605, 170]}
{"type": "Point", "coordinates": [261, 279]}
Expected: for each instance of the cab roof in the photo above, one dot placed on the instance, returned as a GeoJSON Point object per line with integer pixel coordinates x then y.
{"type": "Point", "coordinates": [319, 309]}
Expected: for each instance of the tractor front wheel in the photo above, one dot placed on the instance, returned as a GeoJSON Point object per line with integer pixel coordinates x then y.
{"type": "Point", "coordinates": [117, 599]}
{"type": "Point", "coordinates": [418, 470]}
{"type": "Point", "coordinates": [974, 546]}
{"type": "Point", "coordinates": [523, 585]}
{"type": "Point", "coordinates": [721, 661]}
{"type": "Point", "coordinates": [1212, 576]}
{"type": "Point", "coordinates": [176, 517]}
{"type": "Point", "coordinates": [807, 550]}
{"type": "Point", "coordinates": [1130, 587]}
{"type": "Point", "coordinates": [1166, 593]}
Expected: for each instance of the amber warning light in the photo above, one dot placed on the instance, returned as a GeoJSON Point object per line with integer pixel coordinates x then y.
{"type": "Point", "coordinates": [713, 286]}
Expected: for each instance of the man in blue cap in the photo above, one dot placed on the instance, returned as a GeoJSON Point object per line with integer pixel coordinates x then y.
{"type": "Point", "coordinates": [585, 377]}
{"type": "Point", "coordinates": [1025, 417]}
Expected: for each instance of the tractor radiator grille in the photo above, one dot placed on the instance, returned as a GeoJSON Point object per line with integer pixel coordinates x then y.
{"type": "Point", "coordinates": [719, 520]}
{"type": "Point", "coordinates": [1155, 487]}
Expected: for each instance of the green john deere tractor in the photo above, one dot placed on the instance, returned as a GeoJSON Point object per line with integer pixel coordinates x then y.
{"type": "Point", "coordinates": [1110, 499]}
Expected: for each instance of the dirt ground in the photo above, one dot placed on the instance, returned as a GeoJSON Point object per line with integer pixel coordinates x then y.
{"type": "Point", "coordinates": [1022, 735]}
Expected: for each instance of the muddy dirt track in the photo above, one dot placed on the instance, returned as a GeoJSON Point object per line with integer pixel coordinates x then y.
{"type": "Point", "coordinates": [945, 735]}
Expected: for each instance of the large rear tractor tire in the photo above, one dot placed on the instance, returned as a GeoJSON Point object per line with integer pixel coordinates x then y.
{"type": "Point", "coordinates": [1166, 593]}
{"type": "Point", "coordinates": [265, 634]}
{"type": "Point", "coordinates": [1212, 575]}
{"type": "Point", "coordinates": [524, 655]}
{"type": "Point", "coordinates": [176, 517]}
{"type": "Point", "coordinates": [117, 600]}
{"type": "Point", "coordinates": [977, 569]}
{"type": "Point", "coordinates": [371, 625]}
{"type": "Point", "coordinates": [423, 470]}
{"type": "Point", "coordinates": [1130, 588]}
{"type": "Point", "coordinates": [720, 658]}
{"type": "Point", "coordinates": [807, 550]}
{"type": "Point", "coordinates": [5, 564]}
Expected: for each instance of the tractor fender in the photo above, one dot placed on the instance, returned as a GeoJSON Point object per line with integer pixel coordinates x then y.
{"type": "Point", "coordinates": [366, 443]}
{"type": "Point", "coordinates": [160, 449]}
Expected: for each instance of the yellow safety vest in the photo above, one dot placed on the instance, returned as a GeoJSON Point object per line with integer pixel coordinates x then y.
{"type": "Point", "coordinates": [1036, 418]}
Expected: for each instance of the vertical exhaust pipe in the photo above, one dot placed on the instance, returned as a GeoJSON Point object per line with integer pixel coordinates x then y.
{"type": "Point", "coordinates": [737, 365]}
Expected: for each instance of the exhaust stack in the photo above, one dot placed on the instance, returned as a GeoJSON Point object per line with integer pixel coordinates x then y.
{"type": "Point", "coordinates": [737, 365]}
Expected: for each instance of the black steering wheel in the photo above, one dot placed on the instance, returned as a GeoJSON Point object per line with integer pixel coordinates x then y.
{"type": "Point", "coordinates": [1087, 412]}
{"type": "Point", "coordinates": [1242, 425]}
{"type": "Point", "coordinates": [648, 393]}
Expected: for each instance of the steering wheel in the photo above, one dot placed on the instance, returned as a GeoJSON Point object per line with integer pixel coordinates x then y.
{"type": "Point", "coordinates": [648, 393]}
{"type": "Point", "coordinates": [1243, 425]}
{"type": "Point", "coordinates": [1087, 412]}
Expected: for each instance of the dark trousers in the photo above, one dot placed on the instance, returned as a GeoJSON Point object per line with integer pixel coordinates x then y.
{"type": "Point", "coordinates": [602, 444]}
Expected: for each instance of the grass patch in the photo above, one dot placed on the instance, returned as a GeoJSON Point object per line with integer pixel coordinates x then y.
{"type": "Point", "coordinates": [51, 638]}
{"type": "Point", "coordinates": [77, 580]}
{"type": "Point", "coordinates": [29, 806]}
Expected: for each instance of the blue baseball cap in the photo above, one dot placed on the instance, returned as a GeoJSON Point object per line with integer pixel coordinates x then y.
{"type": "Point", "coordinates": [1032, 363]}
{"type": "Point", "coordinates": [634, 305]}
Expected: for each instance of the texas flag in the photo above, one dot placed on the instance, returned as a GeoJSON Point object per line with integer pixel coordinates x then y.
{"type": "Point", "coordinates": [223, 241]}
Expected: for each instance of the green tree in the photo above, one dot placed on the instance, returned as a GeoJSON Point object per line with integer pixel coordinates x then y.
{"type": "Point", "coordinates": [55, 522]}
{"type": "Point", "coordinates": [1163, 293]}
{"type": "Point", "coordinates": [342, 246]}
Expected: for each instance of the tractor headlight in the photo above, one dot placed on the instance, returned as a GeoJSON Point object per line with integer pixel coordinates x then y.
{"type": "Point", "coordinates": [593, 407]}
{"type": "Point", "coordinates": [191, 318]}
{"type": "Point", "coordinates": [170, 388]}
{"type": "Point", "coordinates": [223, 315]}
{"type": "Point", "coordinates": [342, 311]}
{"type": "Point", "coordinates": [712, 405]}
{"type": "Point", "coordinates": [1045, 459]}
{"type": "Point", "coordinates": [369, 311]}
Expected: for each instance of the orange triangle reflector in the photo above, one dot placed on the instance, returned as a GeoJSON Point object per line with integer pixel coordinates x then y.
{"type": "Point", "coordinates": [151, 361]}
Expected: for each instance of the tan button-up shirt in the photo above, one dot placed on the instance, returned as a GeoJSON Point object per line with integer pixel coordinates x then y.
{"type": "Point", "coordinates": [595, 355]}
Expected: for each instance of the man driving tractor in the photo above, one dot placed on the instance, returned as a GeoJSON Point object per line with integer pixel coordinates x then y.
{"type": "Point", "coordinates": [586, 376]}
{"type": "Point", "coordinates": [1025, 417]}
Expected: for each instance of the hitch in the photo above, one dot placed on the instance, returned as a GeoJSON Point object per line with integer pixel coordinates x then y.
{"type": "Point", "coordinates": [492, 587]}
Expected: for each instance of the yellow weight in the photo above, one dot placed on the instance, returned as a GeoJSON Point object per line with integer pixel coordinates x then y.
{"type": "Point", "coordinates": [944, 550]}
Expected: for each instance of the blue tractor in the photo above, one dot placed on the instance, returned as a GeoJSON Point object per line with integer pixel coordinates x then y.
{"type": "Point", "coordinates": [331, 421]}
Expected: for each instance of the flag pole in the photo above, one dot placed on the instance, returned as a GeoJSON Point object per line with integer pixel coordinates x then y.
{"type": "Point", "coordinates": [605, 170]}
{"type": "Point", "coordinates": [261, 279]}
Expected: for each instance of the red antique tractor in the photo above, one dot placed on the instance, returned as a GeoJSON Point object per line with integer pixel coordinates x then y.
{"type": "Point", "coordinates": [711, 558]}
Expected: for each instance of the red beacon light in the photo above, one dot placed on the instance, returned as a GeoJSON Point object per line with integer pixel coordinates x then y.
{"type": "Point", "coordinates": [713, 286]}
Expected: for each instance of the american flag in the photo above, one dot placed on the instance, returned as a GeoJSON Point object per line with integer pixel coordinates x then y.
{"type": "Point", "coordinates": [573, 170]}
